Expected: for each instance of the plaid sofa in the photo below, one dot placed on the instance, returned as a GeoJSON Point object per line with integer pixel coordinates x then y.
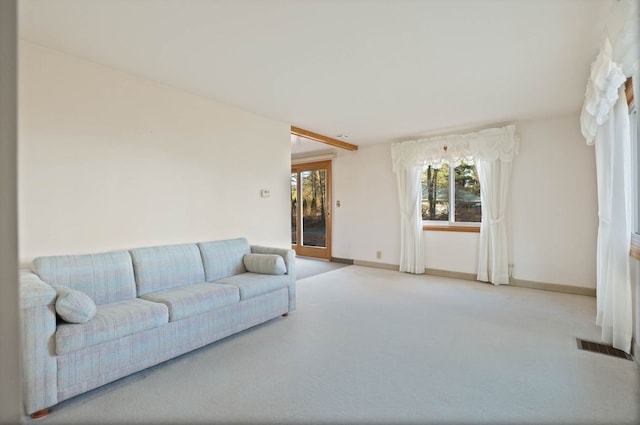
{"type": "Point", "coordinates": [152, 304]}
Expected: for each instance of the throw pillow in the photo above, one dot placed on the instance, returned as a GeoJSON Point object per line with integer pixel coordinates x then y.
{"type": "Point", "coordinates": [74, 306]}
{"type": "Point", "coordinates": [264, 263]}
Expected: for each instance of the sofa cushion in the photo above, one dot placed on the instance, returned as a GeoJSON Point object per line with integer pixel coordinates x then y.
{"type": "Point", "coordinates": [164, 267]}
{"type": "Point", "coordinates": [264, 263]}
{"type": "Point", "coordinates": [74, 306]}
{"type": "Point", "coordinates": [190, 300]}
{"type": "Point", "coordinates": [223, 258]}
{"type": "Point", "coordinates": [105, 278]}
{"type": "Point", "coordinates": [254, 284]}
{"type": "Point", "coordinates": [111, 321]}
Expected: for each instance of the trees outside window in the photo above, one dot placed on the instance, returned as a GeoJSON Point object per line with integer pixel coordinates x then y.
{"type": "Point", "coordinates": [439, 186]}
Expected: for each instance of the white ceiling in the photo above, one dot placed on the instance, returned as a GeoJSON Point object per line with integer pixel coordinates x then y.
{"type": "Point", "coordinates": [302, 145]}
{"type": "Point", "coordinates": [377, 71]}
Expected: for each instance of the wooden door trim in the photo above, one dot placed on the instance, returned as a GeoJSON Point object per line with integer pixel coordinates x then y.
{"type": "Point", "coordinates": [307, 250]}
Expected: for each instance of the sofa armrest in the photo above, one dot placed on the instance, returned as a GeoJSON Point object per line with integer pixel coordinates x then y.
{"type": "Point", "coordinates": [34, 292]}
{"type": "Point", "coordinates": [39, 363]}
{"type": "Point", "coordinates": [289, 256]}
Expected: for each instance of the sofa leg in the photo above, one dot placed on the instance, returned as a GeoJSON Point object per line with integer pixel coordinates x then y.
{"type": "Point", "coordinates": [40, 414]}
{"type": "Point", "coordinates": [285, 315]}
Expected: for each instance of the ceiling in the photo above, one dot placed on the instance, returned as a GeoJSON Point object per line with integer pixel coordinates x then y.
{"type": "Point", "coordinates": [377, 71]}
{"type": "Point", "coordinates": [301, 146]}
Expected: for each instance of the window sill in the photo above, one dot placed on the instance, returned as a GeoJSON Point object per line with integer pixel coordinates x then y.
{"type": "Point", "coordinates": [635, 246]}
{"type": "Point", "coordinates": [448, 228]}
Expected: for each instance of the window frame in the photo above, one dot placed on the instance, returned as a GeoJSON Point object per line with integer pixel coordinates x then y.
{"type": "Point", "coordinates": [634, 248]}
{"type": "Point", "coordinates": [451, 226]}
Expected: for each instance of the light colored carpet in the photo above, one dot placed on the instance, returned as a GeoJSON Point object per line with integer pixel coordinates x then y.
{"type": "Point", "coordinates": [382, 347]}
{"type": "Point", "coordinates": [307, 267]}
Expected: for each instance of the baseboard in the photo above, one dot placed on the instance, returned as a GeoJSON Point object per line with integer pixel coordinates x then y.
{"type": "Point", "coordinates": [341, 260]}
{"type": "Point", "coordinates": [554, 287]}
{"type": "Point", "coordinates": [566, 289]}
{"type": "Point", "coordinates": [447, 273]}
{"type": "Point", "coordinates": [635, 351]}
{"type": "Point", "coordinates": [385, 266]}
{"type": "Point", "coordinates": [312, 258]}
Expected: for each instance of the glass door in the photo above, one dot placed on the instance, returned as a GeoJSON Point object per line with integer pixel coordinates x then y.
{"type": "Point", "coordinates": [311, 209]}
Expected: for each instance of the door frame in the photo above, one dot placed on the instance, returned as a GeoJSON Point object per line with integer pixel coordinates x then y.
{"type": "Point", "coordinates": [310, 251]}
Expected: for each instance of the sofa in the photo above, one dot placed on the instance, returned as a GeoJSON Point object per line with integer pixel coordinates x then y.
{"type": "Point", "coordinates": [88, 320]}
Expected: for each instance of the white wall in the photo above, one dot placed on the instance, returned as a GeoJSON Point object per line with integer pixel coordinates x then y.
{"type": "Point", "coordinates": [10, 383]}
{"type": "Point", "coordinates": [451, 251]}
{"type": "Point", "coordinates": [553, 209]}
{"type": "Point", "coordinates": [368, 218]}
{"type": "Point", "coordinates": [112, 161]}
{"type": "Point", "coordinates": [554, 204]}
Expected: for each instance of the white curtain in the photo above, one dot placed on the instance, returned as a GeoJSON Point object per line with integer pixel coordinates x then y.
{"type": "Point", "coordinates": [493, 256]}
{"type": "Point", "coordinates": [492, 150]}
{"type": "Point", "coordinates": [605, 123]}
{"type": "Point", "coordinates": [410, 195]}
{"type": "Point", "coordinates": [613, 152]}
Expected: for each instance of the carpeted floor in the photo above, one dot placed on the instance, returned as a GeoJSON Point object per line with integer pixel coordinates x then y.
{"type": "Point", "coordinates": [373, 346]}
{"type": "Point", "coordinates": [307, 267]}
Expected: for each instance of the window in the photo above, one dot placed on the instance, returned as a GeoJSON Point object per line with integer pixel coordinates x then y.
{"type": "Point", "coordinates": [439, 186]}
{"type": "Point", "coordinates": [635, 143]}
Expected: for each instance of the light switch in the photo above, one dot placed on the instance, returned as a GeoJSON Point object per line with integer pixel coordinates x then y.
{"type": "Point", "coordinates": [265, 193]}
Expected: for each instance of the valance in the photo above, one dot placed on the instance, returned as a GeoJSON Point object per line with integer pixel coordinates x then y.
{"type": "Point", "coordinates": [602, 92]}
{"type": "Point", "coordinates": [619, 58]}
{"type": "Point", "coordinates": [490, 144]}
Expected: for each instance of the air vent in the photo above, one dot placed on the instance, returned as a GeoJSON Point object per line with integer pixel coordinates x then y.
{"type": "Point", "coordinates": [597, 347]}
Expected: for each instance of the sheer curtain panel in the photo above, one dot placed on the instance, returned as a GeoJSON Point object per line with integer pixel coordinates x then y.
{"type": "Point", "coordinates": [493, 255]}
{"type": "Point", "coordinates": [410, 195]}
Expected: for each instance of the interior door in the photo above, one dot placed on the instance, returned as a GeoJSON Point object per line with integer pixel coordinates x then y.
{"type": "Point", "coordinates": [311, 209]}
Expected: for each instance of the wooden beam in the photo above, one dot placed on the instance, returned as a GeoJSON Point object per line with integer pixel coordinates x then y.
{"type": "Point", "coordinates": [323, 139]}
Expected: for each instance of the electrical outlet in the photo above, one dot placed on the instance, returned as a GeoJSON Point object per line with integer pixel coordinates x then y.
{"type": "Point", "coordinates": [378, 255]}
